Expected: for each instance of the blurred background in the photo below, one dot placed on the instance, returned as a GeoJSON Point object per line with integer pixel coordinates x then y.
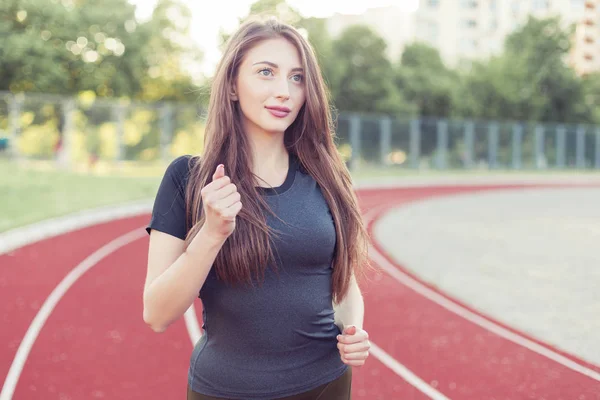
{"type": "Point", "coordinates": [119, 88]}
{"type": "Point", "coordinates": [97, 97]}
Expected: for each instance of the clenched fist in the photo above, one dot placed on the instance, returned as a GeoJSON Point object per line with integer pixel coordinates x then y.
{"type": "Point", "coordinates": [221, 204]}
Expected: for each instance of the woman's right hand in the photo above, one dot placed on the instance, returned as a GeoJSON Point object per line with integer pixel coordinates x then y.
{"type": "Point", "coordinates": [221, 204]}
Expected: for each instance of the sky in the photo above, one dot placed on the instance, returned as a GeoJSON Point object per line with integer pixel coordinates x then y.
{"type": "Point", "coordinates": [207, 19]}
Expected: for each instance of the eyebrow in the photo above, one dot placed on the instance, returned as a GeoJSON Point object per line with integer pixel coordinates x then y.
{"type": "Point", "coordinates": [276, 66]}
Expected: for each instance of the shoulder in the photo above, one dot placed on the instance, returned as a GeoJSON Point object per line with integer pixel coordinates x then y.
{"type": "Point", "coordinates": [178, 171]}
{"type": "Point", "coordinates": [180, 166]}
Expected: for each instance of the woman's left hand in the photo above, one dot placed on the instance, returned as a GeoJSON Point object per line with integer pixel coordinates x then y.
{"type": "Point", "coordinates": [354, 346]}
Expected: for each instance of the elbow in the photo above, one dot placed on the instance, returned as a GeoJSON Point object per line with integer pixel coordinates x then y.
{"type": "Point", "coordinates": [151, 320]}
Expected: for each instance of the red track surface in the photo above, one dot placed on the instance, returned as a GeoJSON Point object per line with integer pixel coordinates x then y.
{"type": "Point", "coordinates": [95, 344]}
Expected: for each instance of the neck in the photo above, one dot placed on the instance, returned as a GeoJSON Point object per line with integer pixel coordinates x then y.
{"type": "Point", "coordinates": [269, 155]}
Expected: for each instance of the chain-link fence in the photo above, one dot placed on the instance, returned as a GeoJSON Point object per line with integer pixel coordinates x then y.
{"type": "Point", "coordinates": [82, 131]}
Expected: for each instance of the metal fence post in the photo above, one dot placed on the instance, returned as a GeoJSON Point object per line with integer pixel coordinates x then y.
{"type": "Point", "coordinates": [469, 137]}
{"type": "Point", "coordinates": [119, 118]}
{"type": "Point", "coordinates": [540, 156]}
{"type": "Point", "coordinates": [385, 129]}
{"type": "Point", "coordinates": [517, 135]}
{"type": "Point", "coordinates": [560, 146]}
{"type": "Point", "coordinates": [493, 145]}
{"type": "Point", "coordinates": [166, 127]}
{"type": "Point", "coordinates": [415, 142]}
{"type": "Point", "coordinates": [442, 144]}
{"type": "Point", "coordinates": [14, 117]}
{"type": "Point", "coordinates": [580, 147]}
{"type": "Point", "coordinates": [597, 147]}
{"type": "Point", "coordinates": [354, 141]}
{"type": "Point", "coordinates": [64, 156]}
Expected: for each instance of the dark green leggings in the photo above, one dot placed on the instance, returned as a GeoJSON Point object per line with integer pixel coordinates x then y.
{"type": "Point", "coordinates": [339, 389]}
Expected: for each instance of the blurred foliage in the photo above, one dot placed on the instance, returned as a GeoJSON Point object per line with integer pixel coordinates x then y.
{"type": "Point", "coordinates": [361, 82]}
{"type": "Point", "coordinates": [69, 46]}
{"type": "Point", "coordinates": [96, 50]}
{"type": "Point", "coordinates": [74, 46]}
{"type": "Point", "coordinates": [530, 80]}
{"type": "Point", "coordinates": [425, 81]}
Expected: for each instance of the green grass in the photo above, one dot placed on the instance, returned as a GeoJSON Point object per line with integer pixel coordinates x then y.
{"type": "Point", "coordinates": [36, 190]}
{"type": "Point", "coordinates": [32, 194]}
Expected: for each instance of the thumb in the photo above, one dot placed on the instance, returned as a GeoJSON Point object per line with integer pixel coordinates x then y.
{"type": "Point", "coordinates": [350, 330]}
{"type": "Point", "coordinates": [219, 172]}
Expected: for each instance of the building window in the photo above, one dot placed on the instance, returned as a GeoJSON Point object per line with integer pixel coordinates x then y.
{"type": "Point", "coordinates": [468, 3]}
{"type": "Point", "coordinates": [493, 24]}
{"type": "Point", "coordinates": [468, 45]}
{"type": "Point", "coordinates": [469, 23]}
{"type": "Point", "coordinates": [433, 3]}
{"type": "Point", "coordinates": [432, 31]}
{"type": "Point", "coordinates": [577, 5]}
{"type": "Point", "coordinates": [540, 5]}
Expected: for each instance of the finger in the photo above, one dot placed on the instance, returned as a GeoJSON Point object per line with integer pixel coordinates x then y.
{"type": "Point", "coordinates": [353, 348]}
{"type": "Point", "coordinates": [225, 191]}
{"type": "Point", "coordinates": [363, 355]}
{"type": "Point", "coordinates": [349, 330]}
{"type": "Point", "coordinates": [219, 172]}
{"type": "Point", "coordinates": [216, 185]}
{"type": "Point", "coordinates": [230, 213]}
{"type": "Point", "coordinates": [228, 201]}
{"type": "Point", "coordinates": [355, 363]}
{"type": "Point", "coordinates": [350, 339]}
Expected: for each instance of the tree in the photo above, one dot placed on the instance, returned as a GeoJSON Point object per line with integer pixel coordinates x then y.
{"type": "Point", "coordinates": [529, 81]}
{"type": "Point", "coordinates": [170, 49]}
{"type": "Point", "coordinates": [591, 85]}
{"type": "Point", "coordinates": [85, 45]}
{"type": "Point", "coordinates": [59, 47]}
{"type": "Point", "coordinates": [279, 9]}
{"type": "Point", "coordinates": [362, 81]}
{"type": "Point", "coordinates": [425, 81]}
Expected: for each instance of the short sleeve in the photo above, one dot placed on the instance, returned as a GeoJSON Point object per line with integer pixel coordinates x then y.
{"type": "Point", "coordinates": [168, 212]}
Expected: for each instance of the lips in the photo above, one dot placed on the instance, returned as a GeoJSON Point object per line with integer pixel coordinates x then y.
{"type": "Point", "coordinates": [279, 111]}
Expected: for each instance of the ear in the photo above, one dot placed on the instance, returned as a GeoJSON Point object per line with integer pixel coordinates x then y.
{"type": "Point", "coordinates": [232, 94]}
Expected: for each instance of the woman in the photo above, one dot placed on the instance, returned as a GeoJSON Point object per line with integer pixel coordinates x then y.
{"type": "Point", "coordinates": [266, 230]}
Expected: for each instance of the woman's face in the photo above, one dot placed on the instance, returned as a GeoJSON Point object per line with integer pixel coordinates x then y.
{"type": "Point", "coordinates": [270, 86]}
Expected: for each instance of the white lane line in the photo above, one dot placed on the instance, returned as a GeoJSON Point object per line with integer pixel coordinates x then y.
{"type": "Point", "coordinates": [19, 237]}
{"type": "Point", "coordinates": [405, 373]}
{"type": "Point", "coordinates": [192, 325]}
{"type": "Point", "coordinates": [191, 322]}
{"type": "Point", "coordinates": [59, 291]}
{"type": "Point", "coordinates": [469, 315]}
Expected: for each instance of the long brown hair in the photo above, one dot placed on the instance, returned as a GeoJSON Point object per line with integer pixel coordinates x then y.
{"type": "Point", "coordinates": [310, 137]}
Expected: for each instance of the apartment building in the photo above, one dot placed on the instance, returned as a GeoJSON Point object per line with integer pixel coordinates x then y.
{"type": "Point", "coordinates": [470, 29]}
{"type": "Point", "coordinates": [585, 56]}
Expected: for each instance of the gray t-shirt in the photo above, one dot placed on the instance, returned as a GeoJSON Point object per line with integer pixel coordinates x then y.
{"type": "Point", "coordinates": [272, 340]}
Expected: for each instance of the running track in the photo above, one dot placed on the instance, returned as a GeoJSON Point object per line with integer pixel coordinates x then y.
{"type": "Point", "coordinates": [95, 345]}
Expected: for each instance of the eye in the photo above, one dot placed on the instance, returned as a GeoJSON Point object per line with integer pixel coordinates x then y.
{"type": "Point", "coordinates": [268, 71]}
{"type": "Point", "coordinates": [298, 78]}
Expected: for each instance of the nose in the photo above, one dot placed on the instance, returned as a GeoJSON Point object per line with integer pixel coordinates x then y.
{"type": "Point", "coordinates": [282, 90]}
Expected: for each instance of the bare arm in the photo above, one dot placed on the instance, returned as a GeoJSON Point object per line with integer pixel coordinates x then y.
{"type": "Point", "coordinates": [351, 310]}
{"type": "Point", "coordinates": [175, 276]}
